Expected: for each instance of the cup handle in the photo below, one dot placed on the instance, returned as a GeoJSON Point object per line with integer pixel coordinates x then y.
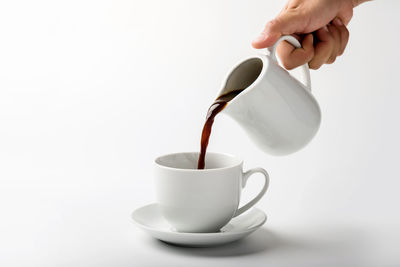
{"type": "Point", "coordinates": [295, 43]}
{"type": "Point", "coordinates": [245, 177]}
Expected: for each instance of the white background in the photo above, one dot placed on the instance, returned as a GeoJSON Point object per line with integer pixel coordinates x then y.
{"type": "Point", "coordinates": [92, 91]}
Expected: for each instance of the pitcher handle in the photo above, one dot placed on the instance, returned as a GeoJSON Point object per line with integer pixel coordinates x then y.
{"type": "Point", "coordinates": [293, 41]}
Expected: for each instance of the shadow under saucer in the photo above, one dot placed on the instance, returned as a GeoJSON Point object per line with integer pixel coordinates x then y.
{"type": "Point", "coordinates": [326, 244]}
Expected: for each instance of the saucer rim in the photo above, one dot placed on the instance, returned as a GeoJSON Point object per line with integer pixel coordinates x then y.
{"type": "Point", "coordinates": [251, 229]}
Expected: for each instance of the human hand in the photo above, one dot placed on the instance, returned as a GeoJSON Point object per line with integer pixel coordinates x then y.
{"type": "Point", "coordinates": [320, 26]}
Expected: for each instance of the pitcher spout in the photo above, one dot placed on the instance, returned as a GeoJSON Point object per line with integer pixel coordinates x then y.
{"type": "Point", "coordinates": [242, 76]}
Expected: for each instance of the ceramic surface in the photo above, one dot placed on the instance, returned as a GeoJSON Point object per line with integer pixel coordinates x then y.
{"type": "Point", "coordinates": [193, 200]}
{"type": "Point", "coordinates": [150, 220]}
{"type": "Point", "coordinates": [279, 113]}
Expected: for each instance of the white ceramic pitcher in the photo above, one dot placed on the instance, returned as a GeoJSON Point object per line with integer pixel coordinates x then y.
{"type": "Point", "coordinates": [278, 112]}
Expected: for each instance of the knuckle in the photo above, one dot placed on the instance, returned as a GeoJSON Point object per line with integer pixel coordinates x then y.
{"type": "Point", "coordinates": [331, 60]}
{"type": "Point", "coordinates": [314, 67]}
{"type": "Point", "coordinates": [309, 54]}
{"type": "Point", "coordinates": [346, 33]}
{"type": "Point", "coordinates": [287, 64]}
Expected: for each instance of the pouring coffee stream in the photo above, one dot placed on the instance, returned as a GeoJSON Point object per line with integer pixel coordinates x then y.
{"type": "Point", "coordinates": [215, 108]}
{"type": "Point", "coordinates": [277, 111]}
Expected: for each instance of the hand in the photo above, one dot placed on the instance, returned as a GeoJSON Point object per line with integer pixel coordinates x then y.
{"type": "Point", "coordinates": [320, 26]}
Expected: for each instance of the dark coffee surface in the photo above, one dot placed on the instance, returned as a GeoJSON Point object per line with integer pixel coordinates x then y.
{"type": "Point", "coordinates": [215, 108]}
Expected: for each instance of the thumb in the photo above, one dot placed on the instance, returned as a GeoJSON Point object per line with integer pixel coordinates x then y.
{"type": "Point", "coordinates": [288, 22]}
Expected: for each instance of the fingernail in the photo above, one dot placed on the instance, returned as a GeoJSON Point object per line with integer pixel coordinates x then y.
{"type": "Point", "coordinates": [325, 28]}
{"type": "Point", "coordinates": [262, 37]}
{"type": "Point", "coordinates": [338, 22]}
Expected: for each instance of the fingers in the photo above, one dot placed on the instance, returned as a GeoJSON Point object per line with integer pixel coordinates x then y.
{"type": "Point", "coordinates": [323, 48]}
{"type": "Point", "coordinates": [336, 43]}
{"type": "Point", "coordinates": [330, 43]}
{"type": "Point", "coordinates": [344, 34]}
{"type": "Point", "coordinates": [288, 22]}
{"type": "Point", "coordinates": [292, 57]}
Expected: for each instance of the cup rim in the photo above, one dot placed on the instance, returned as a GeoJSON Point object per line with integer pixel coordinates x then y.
{"type": "Point", "coordinates": [239, 161]}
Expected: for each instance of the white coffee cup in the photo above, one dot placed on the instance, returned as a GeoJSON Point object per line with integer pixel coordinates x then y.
{"type": "Point", "coordinates": [193, 200]}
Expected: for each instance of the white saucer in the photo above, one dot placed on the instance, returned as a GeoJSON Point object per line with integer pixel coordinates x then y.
{"type": "Point", "coordinates": [150, 220]}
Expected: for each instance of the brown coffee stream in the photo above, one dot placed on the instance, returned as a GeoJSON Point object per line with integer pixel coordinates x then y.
{"type": "Point", "coordinates": [215, 108]}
